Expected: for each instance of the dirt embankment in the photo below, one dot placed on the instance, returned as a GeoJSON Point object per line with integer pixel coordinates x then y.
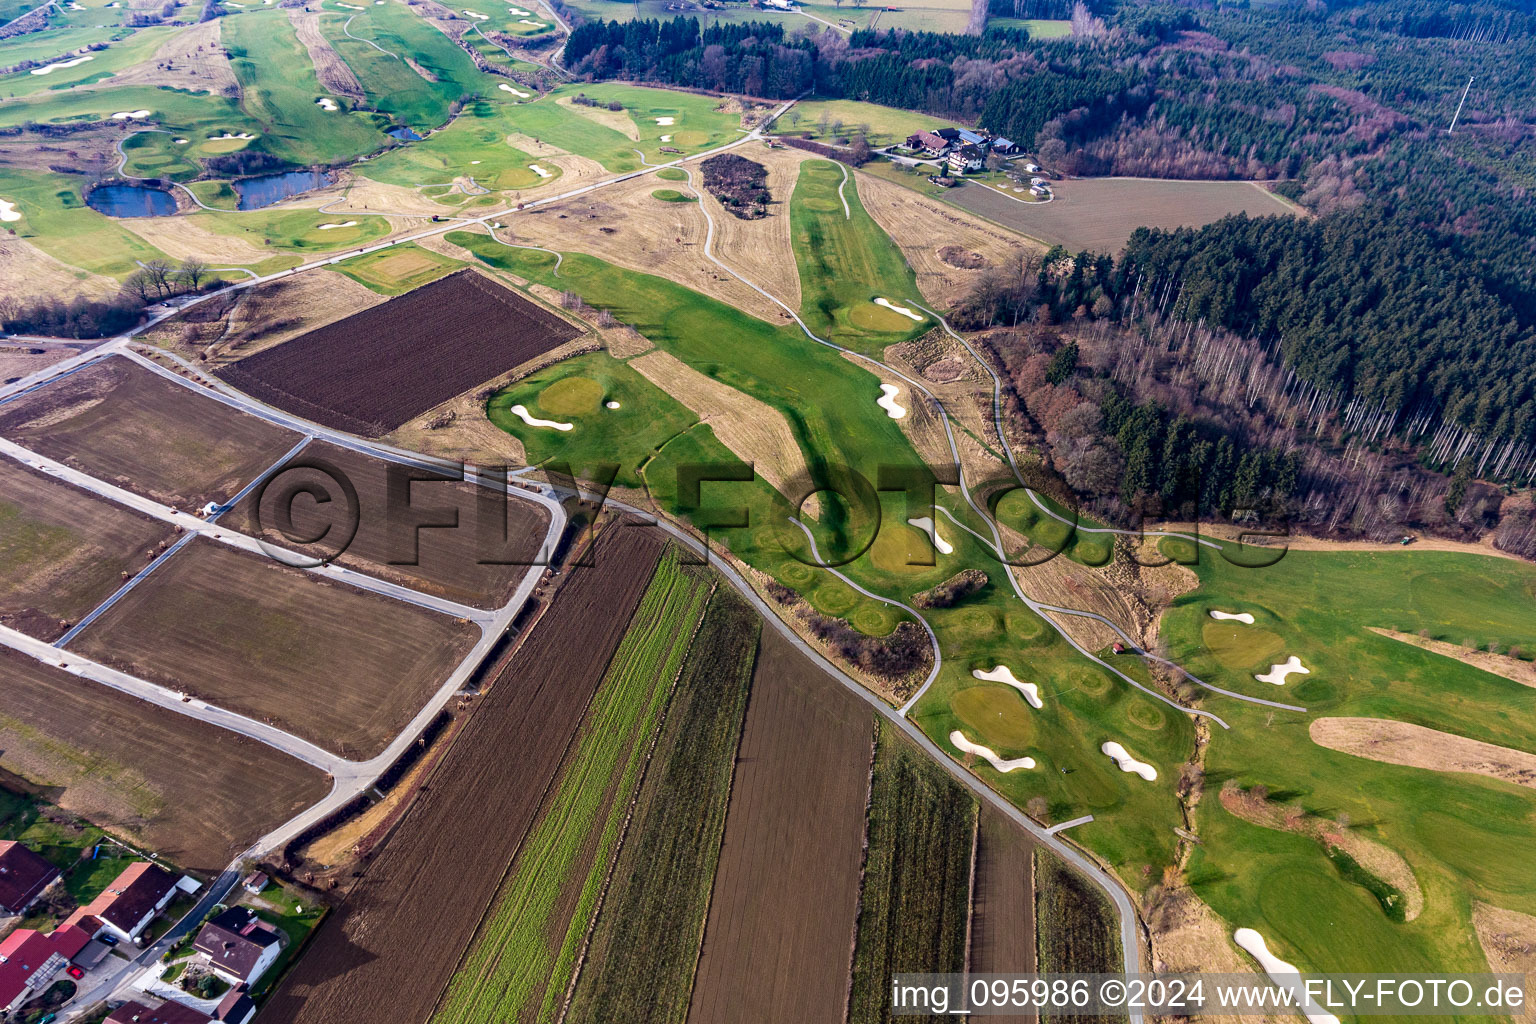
{"type": "Point", "coordinates": [1382, 739]}
{"type": "Point", "coordinates": [334, 74]}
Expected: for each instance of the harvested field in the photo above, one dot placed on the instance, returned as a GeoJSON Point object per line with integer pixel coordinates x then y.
{"type": "Point", "coordinates": [335, 665]}
{"type": "Point", "coordinates": [27, 273]}
{"type": "Point", "coordinates": [1508, 939]}
{"type": "Point", "coordinates": [388, 950]}
{"type": "Point", "coordinates": [1100, 213]}
{"type": "Point", "coordinates": [191, 237]}
{"type": "Point", "coordinates": [618, 120]}
{"type": "Point", "coordinates": [63, 551]}
{"type": "Point", "coordinates": [781, 922]}
{"type": "Point", "coordinates": [190, 791]}
{"type": "Point", "coordinates": [639, 965]}
{"type": "Point", "coordinates": [919, 224]}
{"type": "Point", "coordinates": [761, 249]}
{"type": "Point", "coordinates": [450, 561]}
{"type": "Point", "coordinates": [193, 59]}
{"type": "Point", "coordinates": [1075, 930]}
{"type": "Point", "coordinates": [330, 69]}
{"type": "Point", "coordinates": [916, 892]}
{"type": "Point", "coordinates": [377, 369]}
{"type": "Point", "coordinates": [224, 329]}
{"type": "Point", "coordinates": [1003, 901]}
{"type": "Point", "coordinates": [127, 425]}
{"type": "Point", "coordinates": [754, 431]}
{"type": "Point", "coordinates": [1382, 739]}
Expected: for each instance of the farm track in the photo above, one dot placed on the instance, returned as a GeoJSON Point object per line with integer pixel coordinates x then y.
{"type": "Point", "coordinates": [386, 952]}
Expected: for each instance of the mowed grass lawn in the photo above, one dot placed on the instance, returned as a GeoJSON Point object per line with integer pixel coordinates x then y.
{"type": "Point", "coordinates": [56, 220]}
{"type": "Point", "coordinates": [474, 146]}
{"type": "Point", "coordinates": [398, 269]}
{"type": "Point", "coordinates": [1466, 837]}
{"type": "Point", "coordinates": [694, 125]}
{"type": "Point", "coordinates": [520, 962]}
{"type": "Point", "coordinates": [847, 262]}
{"type": "Point", "coordinates": [299, 231]}
{"type": "Point", "coordinates": [883, 126]}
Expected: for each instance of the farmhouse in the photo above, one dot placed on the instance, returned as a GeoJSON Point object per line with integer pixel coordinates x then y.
{"type": "Point", "coordinates": [127, 906]}
{"type": "Point", "coordinates": [966, 158]}
{"type": "Point", "coordinates": [238, 946]}
{"type": "Point", "coordinates": [1003, 146]}
{"type": "Point", "coordinates": [23, 877]}
{"type": "Point", "coordinates": [29, 960]}
{"type": "Point", "coordinates": [165, 1013]}
{"type": "Point", "coordinates": [927, 143]}
{"type": "Point", "coordinates": [970, 138]}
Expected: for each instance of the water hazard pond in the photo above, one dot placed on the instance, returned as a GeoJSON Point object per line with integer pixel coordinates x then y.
{"type": "Point", "coordinates": [259, 192]}
{"type": "Point", "coordinates": [131, 201]}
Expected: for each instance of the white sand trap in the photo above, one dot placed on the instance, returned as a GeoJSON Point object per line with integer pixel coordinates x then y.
{"type": "Point", "coordinates": [1281, 973]}
{"type": "Point", "coordinates": [8, 211]}
{"type": "Point", "coordinates": [350, 7]}
{"type": "Point", "coordinates": [1127, 763]}
{"type": "Point", "coordinates": [887, 401]}
{"type": "Point", "coordinates": [666, 138]}
{"type": "Point", "coordinates": [474, 161]}
{"type": "Point", "coordinates": [541, 172]}
{"type": "Point", "coordinates": [51, 68]}
{"type": "Point", "coordinates": [926, 525]}
{"type": "Point", "coordinates": [343, 224]}
{"type": "Point", "coordinates": [666, 122]}
{"type": "Point", "coordinates": [181, 142]}
{"type": "Point", "coordinates": [1232, 616]}
{"type": "Point", "coordinates": [521, 412]}
{"type": "Point", "coordinates": [610, 405]}
{"type": "Point", "coordinates": [1278, 672]}
{"type": "Point", "coordinates": [504, 87]}
{"type": "Point", "coordinates": [903, 310]}
{"type": "Point", "coordinates": [1002, 674]}
{"type": "Point", "coordinates": [326, 103]}
{"type": "Point", "coordinates": [961, 743]}
{"type": "Point", "coordinates": [129, 115]}
{"type": "Point", "coordinates": [477, 15]}
{"type": "Point", "coordinates": [525, 21]}
{"type": "Point", "coordinates": [226, 135]}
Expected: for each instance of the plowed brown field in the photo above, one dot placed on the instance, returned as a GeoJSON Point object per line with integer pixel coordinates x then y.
{"type": "Point", "coordinates": [1003, 902]}
{"type": "Point", "coordinates": [779, 937]}
{"type": "Point", "coordinates": [386, 953]}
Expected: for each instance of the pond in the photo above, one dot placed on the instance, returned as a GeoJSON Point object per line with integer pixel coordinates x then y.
{"type": "Point", "coordinates": [131, 201]}
{"type": "Point", "coordinates": [405, 135]}
{"type": "Point", "coordinates": [267, 189]}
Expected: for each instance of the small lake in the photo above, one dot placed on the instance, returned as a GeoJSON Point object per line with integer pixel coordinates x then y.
{"type": "Point", "coordinates": [267, 189]}
{"type": "Point", "coordinates": [405, 135]}
{"type": "Point", "coordinates": [131, 201]}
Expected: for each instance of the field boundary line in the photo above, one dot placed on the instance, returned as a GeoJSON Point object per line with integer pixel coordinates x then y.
{"type": "Point", "coordinates": [123, 590]}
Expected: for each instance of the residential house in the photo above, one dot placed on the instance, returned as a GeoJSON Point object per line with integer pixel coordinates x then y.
{"type": "Point", "coordinates": [29, 960]}
{"type": "Point", "coordinates": [970, 138]}
{"type": "Point", "coordinates": [1004, 146]}
{"type": "Point", "coordinates": [125, 908]}
{"type": "Point", "coordinates": [949, 135]}
{"type": "Point", "coordinates": [927, 143]}
{"type": "Point", "coordinates": [966, 158]}
{"type": "Point", "coordinates": [23, 877]}
{"type": "Point", "coordinates": [238, 946]}
{"type": "Point", "coordinates": [165, 1013]}
{"type": "Point", "coordinates": [236, 1007]}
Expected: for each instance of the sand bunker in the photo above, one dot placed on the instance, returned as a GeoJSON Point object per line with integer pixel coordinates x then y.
{"type": "Point", "coordinates": [1278, 672]}
{"type": "Point", "coordinates": [326, 103]}
{"type": "Point", "coordinates": [541, 172]}
{"type": "Point", "coordinates": [351, 7]}
{"type": "Point", "coordinates": [1002, 674]}
{"type": "Point", "coordinates": [226, 135]}
{"type": "Point", "coordinates": [666, 122]}
{"type": "Point", "coordinates": [666, 138]}
{"type": "Point", "coordinates": [504, 87]}
{"type": "Point", "coordinates": [8, 211]}
{"type": "Point", "coordinates": [903, 310]}
{"type": "Point", "coordinates": [887, 401]}
{"type": "Point", "coordinates": [926, 525]}
{"type": "Point", "coordinates": [342, 224]}
{"type": "Point", "coordinates": [1232, 616]}
{"type": "Point", "coordinates": [51, 68]}
{"type": "Point", "coordinates": [525, 21]}
{"type": "Point", "coordinates": [181, 142]}
{"type": "Point", "coordinates": [961, 743]}
{"type": "Point", "coordinates": [1127, 763]}
{"type": "Point", "coordinates": [521, 412]}
{"type": "Point", "coordinates": [477, 15]}
{"type": "Point", "coordinates": [1280, 972]}
{"type": "Point", "coordinates": [129, 115]}
{"type": "Point", "coordinates": [610, 405]}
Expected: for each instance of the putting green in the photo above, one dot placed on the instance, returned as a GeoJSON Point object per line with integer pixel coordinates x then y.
{"type": "Point", "coordinates": [571, 396]}
{"type": "Point", "coordinates": [997, 716]}
{"type": "Point", "coordinates": [672, 174]}
{"type": "Point", "coordinates": [897, 545]}
{"type": "Point", "coordinates": [1240, 647]}
{"type": "Point", "coordinates": [671, 195]}
{"type": "Point", "coordinates": [869, 317]}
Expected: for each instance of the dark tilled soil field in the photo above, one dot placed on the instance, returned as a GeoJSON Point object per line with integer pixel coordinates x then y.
{"type": "Point", "coordinates": [377, 369]}
{"type": "Point", "coordinates": [128, 426]}
{"type": "Point", "coordinates": [328, 662]}
{"type": "Point", "coordinates": [193, 792]}
{"type": "Point", "coordinates": [477, 562]}
{"type": "Point", "coordinates": [1003, 902]}
{"type": "Point", "coordinates": [63, 550]}
{"type": "Point", "coordinates": [387, 951]}
{"type": "Point", "coordinates": [779, 936]}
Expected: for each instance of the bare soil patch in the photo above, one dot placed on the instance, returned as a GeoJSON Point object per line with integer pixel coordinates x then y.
{"type": "Point", "coordinates": [63, 551]}
{"type": "Point", "coordinates": [778, 940]}
{"type": "Point", "coordinates": [127, 425]}
{"type": "Point", "coordinates": [1382, 739]}
{"type": "Point", "coordinates": [962, 258]}
{"type": "Point", "coordinates": [472, 546]}
{"type": "Point", "coordinates": [1522, 672]}
{"type": "Point", "coordinates": [335, 665]}
{"type": "Point", "coordinates": [391, 946]}
{"type": "Point", "coordinates": [334, 74]}
{"type": "Point", "coordinates": [193, 792]}
{"type": "Point", "coordinates": [1003, 901]}
{"type": "Point", "coordinates": [18, 361]}
{"type": "Point", "coordinates": [192, 59]}
{"type": "Point", "coordinates": [379, 368]}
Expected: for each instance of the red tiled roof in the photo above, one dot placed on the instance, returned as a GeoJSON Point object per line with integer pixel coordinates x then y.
{"type": "Point", "coordinates": [165, 1013]}
{"type": "Point", "coordinates": [23, 874]}
{"type": "Point", "coordinates": [25, 951]}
